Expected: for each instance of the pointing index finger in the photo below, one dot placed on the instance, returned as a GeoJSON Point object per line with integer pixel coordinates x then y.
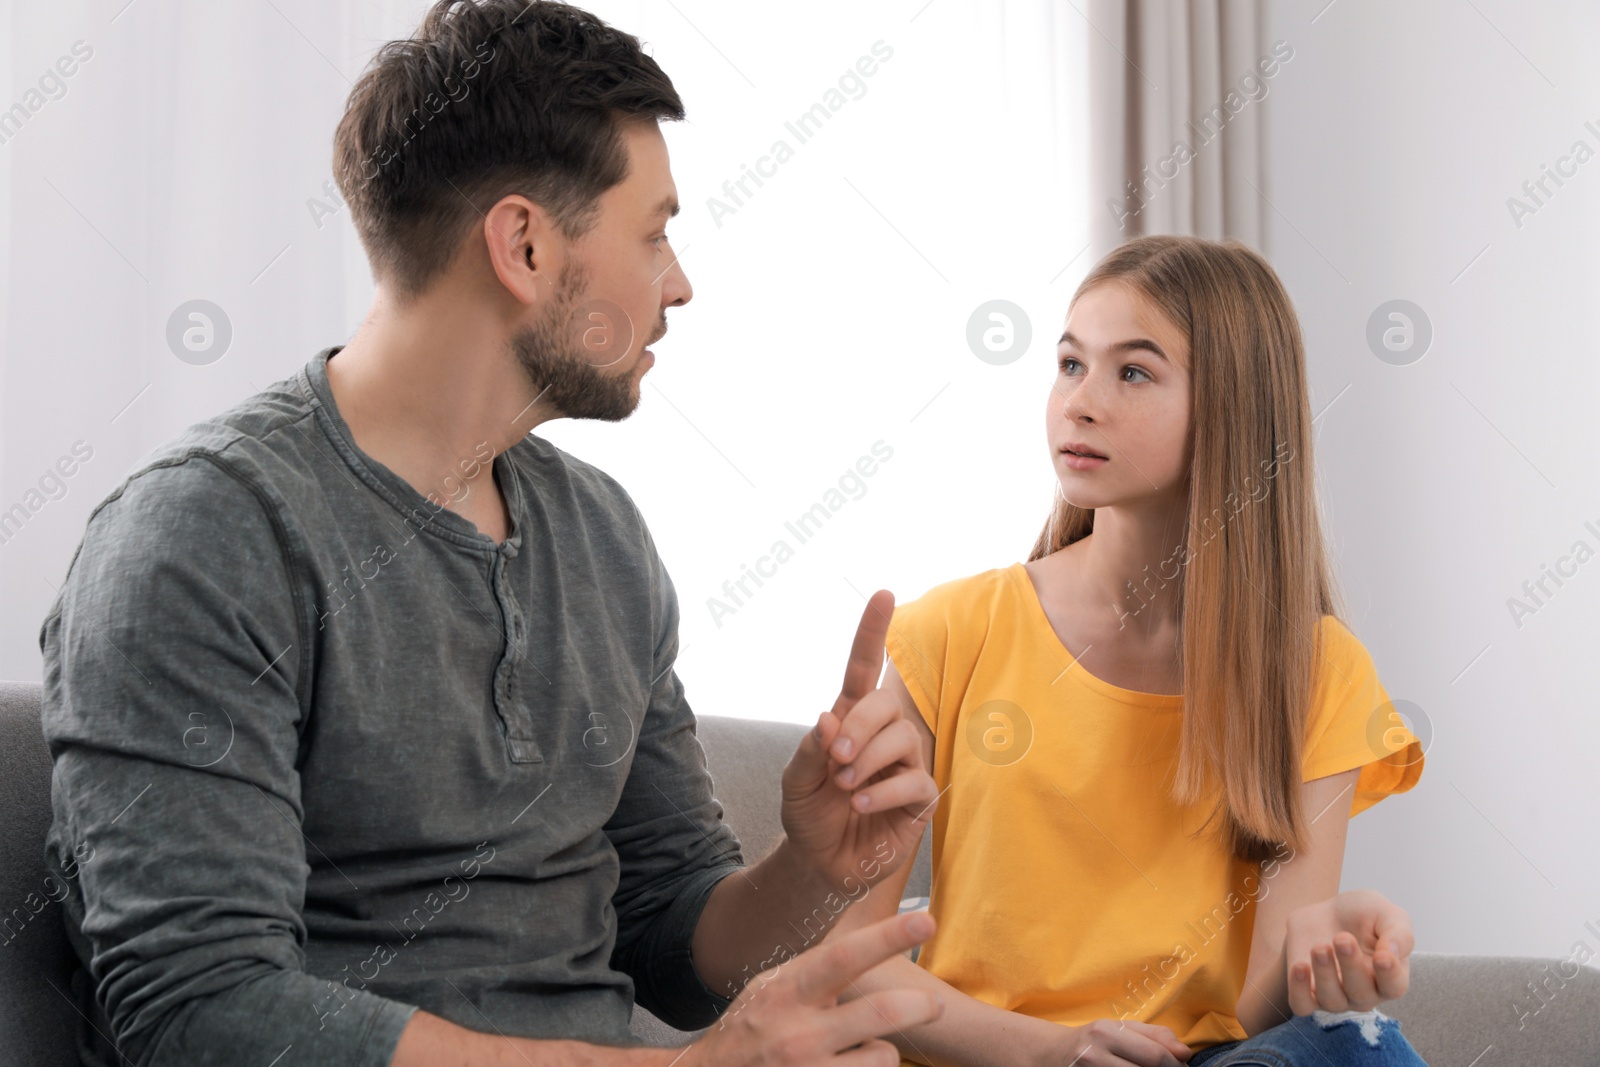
{"type": "Point", "coordinates": [866, 652]}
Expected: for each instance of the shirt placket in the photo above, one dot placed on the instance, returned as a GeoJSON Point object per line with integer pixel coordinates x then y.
{"type": "Point", "coordinates": [521, 744]}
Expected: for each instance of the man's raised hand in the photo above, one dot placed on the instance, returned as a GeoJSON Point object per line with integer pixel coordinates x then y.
{"type": "Point", "coordinates": [856, 795]}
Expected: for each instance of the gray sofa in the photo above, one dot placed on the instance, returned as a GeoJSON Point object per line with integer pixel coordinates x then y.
{"type": "Point", "coordinates": [1460, 1011]}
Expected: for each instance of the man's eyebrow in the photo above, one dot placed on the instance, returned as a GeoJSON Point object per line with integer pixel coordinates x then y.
{"type": "Point", "coordinates": [667, 207]}
{"type": "Point", "coordinates": [1138, 344]}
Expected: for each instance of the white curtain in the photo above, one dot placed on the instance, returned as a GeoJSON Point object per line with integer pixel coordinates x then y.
{"type": "Point", "coordinates": [1177, 94]}
{"type": "Point", "coordinates": [188, 158]}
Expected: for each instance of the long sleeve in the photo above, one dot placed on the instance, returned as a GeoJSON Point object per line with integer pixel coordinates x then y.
{"type": "Point", "coordinates": [176, 678]}
{"type": "Point", "coordinates": [671, 840]}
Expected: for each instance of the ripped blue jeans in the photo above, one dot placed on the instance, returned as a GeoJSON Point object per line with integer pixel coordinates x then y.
{"type": "Point", "coordinates": [1322, 1039]}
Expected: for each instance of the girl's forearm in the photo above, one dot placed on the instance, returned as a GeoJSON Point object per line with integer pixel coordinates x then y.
{"type": "Point", "coordinates": [970, 1033]}
{"type": "Point", "coordinates": [1264, 1003]}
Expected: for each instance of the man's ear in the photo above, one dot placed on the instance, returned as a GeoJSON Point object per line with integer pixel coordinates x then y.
{"type": "Point", "coordinates": [523, 246]}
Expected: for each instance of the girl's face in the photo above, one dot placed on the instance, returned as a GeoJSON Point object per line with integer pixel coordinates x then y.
{"type": "Point", "coordinates": [1121, 391]}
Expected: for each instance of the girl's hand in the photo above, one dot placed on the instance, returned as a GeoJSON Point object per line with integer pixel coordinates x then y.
{"type": "Point", "coordinates": [1113, 1043]}
{"type": "Point", "coordinates": [1349, 953]}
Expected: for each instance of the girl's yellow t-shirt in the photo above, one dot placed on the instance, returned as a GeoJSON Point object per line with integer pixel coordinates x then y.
{"type": "Point", "coordinates": [1066, 883]}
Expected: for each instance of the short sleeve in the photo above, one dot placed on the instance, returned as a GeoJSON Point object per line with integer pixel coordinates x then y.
{"type": "Point", "coordinates": [1353, 723]}
{"type": "Point", "coordinates": [916, 644]}
{"type": "Point", "coordinates": [934, 641]}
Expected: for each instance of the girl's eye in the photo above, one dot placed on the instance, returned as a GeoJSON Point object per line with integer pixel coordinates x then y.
{"type": "Point", "coordinates": [657, 240]}
{"type": "Point", "coordinates": [1068, 363]}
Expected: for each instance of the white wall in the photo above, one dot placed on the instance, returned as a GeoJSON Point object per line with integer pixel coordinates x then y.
{"type": "Point", "coordinates": [1397, 134]}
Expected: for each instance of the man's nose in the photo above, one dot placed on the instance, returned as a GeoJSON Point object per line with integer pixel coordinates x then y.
{"type": "Point", "coordinates": [675, 289]}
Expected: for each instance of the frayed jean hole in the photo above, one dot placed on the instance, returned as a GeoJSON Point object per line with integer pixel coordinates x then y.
{"type": "Point", "coordinates": [1370, 1022]}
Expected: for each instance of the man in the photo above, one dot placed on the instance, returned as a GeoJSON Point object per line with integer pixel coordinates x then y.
{"type": "Point", "coordinates": [368, 742]}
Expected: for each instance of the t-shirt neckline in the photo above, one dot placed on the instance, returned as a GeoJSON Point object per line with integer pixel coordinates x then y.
{"type": "Point", "coordinates": [1035, 608]}
{"type": "Point", "coordinates": [401, 494]}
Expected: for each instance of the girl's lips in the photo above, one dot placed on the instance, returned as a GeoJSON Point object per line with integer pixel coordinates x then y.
{"type": "Point", "coordinates": [1082, 448]}
{"type": "Point", "coordinates": [1083, 463]}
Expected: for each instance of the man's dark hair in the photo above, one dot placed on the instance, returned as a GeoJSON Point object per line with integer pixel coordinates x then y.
{"type": "Point", "coordinates": [486, 99]}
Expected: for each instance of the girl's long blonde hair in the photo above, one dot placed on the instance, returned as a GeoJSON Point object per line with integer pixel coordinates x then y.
{"type": "Point", "coordinates": [1250, 569]}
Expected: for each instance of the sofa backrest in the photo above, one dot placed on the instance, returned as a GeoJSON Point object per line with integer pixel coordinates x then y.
{"type": "Point", "coordinates": [37, 1020]}
{"type": "Point", "coordinates": [746, 759]}
{"type": "Point", "coordinates": [1501, 1011]}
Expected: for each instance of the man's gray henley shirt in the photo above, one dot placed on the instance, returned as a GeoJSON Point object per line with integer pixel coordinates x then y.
{"type": "Point", "coordinates": [325, 753]}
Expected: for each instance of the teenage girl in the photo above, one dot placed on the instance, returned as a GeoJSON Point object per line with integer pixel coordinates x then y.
{"type": "Point", "coordinates": [1149, 737]}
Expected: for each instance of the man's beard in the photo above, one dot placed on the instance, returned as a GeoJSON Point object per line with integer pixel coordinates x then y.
{"type": "Point", "coordinates": [568, 375]}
